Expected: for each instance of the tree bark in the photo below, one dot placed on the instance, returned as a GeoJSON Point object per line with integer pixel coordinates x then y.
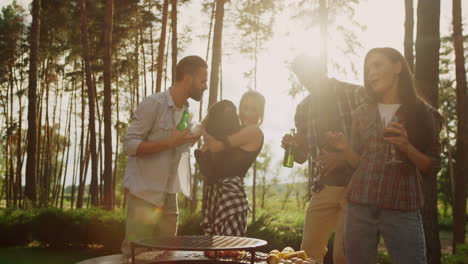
{"type": "Point", "coordinates": [8, 182]}
{"type": "Point", "coordinates": [19, 163]}
{"type": "Point", "coordinates": [109, 12]}
{"type": "Point", "coordinates": [200, 116]}
{"type": "Point", "coordinates": [91, 102]}
{"type": "Point", "coordinates": [152, 51]}
{"type": "Point", "coordinates": [142, 43]}
{"type": "Point", "coordinates": [79, 198]}
{"type": "Point", "coordinates": [174, 37]}
{"type": "Point", "coordinates": [461, 155]}
{"type": "Point", "coordinates": [166, 59]}
{"type": "Point", "coordinates": [409, 28]}
{"type": "Point", "coordinates": [30, 187]}
{"type": "Point", "coordinates": [254, 193]}
{"type": "Point", "coordinates": [427, 78]}
{"type": "Point", "coordinates": [216, 55]}
{"type": "Point", "coordinates": [116, 159]}
{"type": "Point", "coordinates": [137, 69]}
{"type": "Point", "coordinates": [161, 49]}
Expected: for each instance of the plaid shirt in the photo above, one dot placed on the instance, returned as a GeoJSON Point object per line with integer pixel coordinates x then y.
{"type": "Point", "coordinates": [325, 110]}
{"type": "Point", "coordinates": [388, 186]}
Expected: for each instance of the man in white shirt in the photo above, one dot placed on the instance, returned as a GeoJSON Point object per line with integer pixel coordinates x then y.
{"type": "Point", "coordinates": [154, 147]}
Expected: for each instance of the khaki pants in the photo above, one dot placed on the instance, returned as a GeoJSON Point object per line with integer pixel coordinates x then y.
{"type": "Point", "coordinates": [324, 215]}
{"type": "Point", "coordinates": [145, 220]}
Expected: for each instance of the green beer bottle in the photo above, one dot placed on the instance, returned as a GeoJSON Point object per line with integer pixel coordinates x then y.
{"type": "Point", "coordinates": [288, 160]}
{"type": "Point", "coordinates": [183, 122]}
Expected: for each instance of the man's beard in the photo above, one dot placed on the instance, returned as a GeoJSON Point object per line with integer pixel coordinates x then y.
{"type": "Point", "coordinates": [194, 94]}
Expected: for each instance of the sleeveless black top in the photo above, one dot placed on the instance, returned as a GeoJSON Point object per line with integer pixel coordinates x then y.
{"type": "Point", "coordinates": [236, 162]}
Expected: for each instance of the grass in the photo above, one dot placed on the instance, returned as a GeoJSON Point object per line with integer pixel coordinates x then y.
{"type": "Point", "coordinates": [36, 255]}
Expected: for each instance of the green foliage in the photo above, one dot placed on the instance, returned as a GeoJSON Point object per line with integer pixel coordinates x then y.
{"type": "Point", "coordinates": [384, 258]}
{"type": "Point", "coordinates": [36, 255]}
{"type": "Point", "coordinates": [461, 257]}
{"type": "Point", "coordinates": [56, 228]}
{"type": "Point", "coordinates": [16, 227]}
{"type": "Point", "coordinates": [278, 236]}
{"type": "Point", "coordinates": [446, 223]}
{"type": "Point", "coordinates": [11, 38]}
{"type": "Point", "coordinates": [447, 97]}
{"type": "Point", "coordinates": [189, 224]}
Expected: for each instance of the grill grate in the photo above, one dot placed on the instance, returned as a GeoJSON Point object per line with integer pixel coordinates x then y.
{"type": "Point", "coordinates": [202, 243]}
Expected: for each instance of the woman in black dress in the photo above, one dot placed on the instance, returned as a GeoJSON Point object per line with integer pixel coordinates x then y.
{"type": "Point", "coordinates": [231, 157]}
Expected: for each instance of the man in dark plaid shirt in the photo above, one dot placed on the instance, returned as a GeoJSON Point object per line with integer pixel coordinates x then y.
{"type": "Point", "coordinates": [328, 107]}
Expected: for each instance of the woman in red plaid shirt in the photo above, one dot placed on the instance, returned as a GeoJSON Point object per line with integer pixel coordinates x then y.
{"type": "Point", "coordinates": [395, 146]}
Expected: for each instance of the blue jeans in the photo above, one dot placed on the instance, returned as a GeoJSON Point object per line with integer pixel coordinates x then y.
{"type": "Point", "coordinates": [402, 232]}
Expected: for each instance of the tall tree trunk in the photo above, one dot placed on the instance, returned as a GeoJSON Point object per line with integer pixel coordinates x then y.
{"type": "Point", "coordinates": [108, 184]}
{"type": "Point", "coordinates": [99, 151]}
{"type": "Point", "coordinates": [68, 138]}
{"type": "Point", "coordinates": [19, 163]}
{"type": "Point", "coordinates": [254, 192]}
{"type": "Point", "coordinates": [7, 181]}
{"type": "Point", "coordinates": [200, 115]}
{"type": "Point", "coordinates": [409, 28]}
{"type": "Point", "coordinates": [11, 140]}
{"type": "Point", "coordinates": [137, 69]}
{"type": "Point", "coordinates": [44, 176]}
{"type": "Point", "coordinates": [91, 102]}
{"type": "Point", "coordinates": [162, 43]}
{"type": "Point", "coordinates": [142, 43]}
{"type": "Point", "coordinates": [152, 49]}
{"type": "Point", "coordinates": [427, 78]}
{"type": "Point", "coordinates": [461, 165]}
{"type": "Point", "coordinates": [83, 146]}
{"type": "Point", "coordinates": [82, 183]}
{"type": "Point", "coordinates": [56, 175]}
{"type": "Point", "coordinates": [30, 188]}
{"type": "Point", "coordinates": [216, 55]}
{"type": "Point", "coordinates": [117, 126]}
{"type": "Point", "coordinates": [166, 59]}
{"type": "Point", "coordinates": [174, 37]}
{"type": "Point", "coordinates": [40, 148]}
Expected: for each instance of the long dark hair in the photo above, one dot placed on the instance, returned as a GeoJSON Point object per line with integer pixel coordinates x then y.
{"type": "Point", "coordinates": [414, 109]}
{"type": "Point", "coordinates": [222, 119]}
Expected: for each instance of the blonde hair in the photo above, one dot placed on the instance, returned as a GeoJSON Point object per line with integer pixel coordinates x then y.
{"type": "Point", "coordinates": [259, 102]}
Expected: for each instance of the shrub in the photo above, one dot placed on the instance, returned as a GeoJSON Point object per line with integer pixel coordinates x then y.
{"type": "Point", "coordinates": [15, 227]}
{"type": "Point", "coordinates": [445, 223]}
{"type": "Point", "coordinates": [189, 224]}
{"type": "Point", "coordinates": [56, 228]}
{"type": "Point", "coordinates": [278, 236]}
{"type": "Point", "coordinates": [460, 258]}
{"type": "Point", "coordinates": [107, 229]}
{"type": "Point", "coordinates": [384, 258]}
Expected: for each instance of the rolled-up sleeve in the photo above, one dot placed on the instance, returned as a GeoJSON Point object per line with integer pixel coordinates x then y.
{"type": "Point", "coordinates": [142, 121]}
{"type": "Point", "coordinates": [433, 151]}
